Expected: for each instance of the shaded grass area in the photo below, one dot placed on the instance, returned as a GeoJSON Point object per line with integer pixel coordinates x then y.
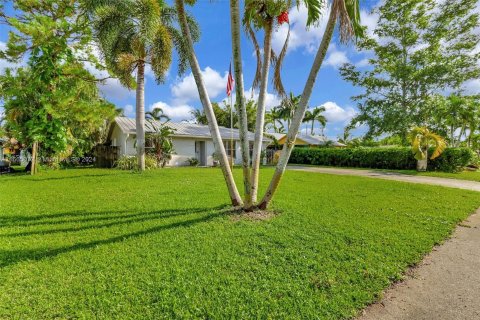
{"type": "Point", "coordinates": [109, 244]}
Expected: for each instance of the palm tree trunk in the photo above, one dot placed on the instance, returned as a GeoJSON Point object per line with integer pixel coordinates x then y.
{"type": "Point", "coordinates": [257, 146]}
{"type": "Point", "coordinates": [313, 124]}
{"type": "Point", "coordinates": [207, 106]}
{"type": "Point", "coordinates": [240, 99]}
{"type": "Point", "coordinates": [33, 167]}
{"type": "Point", "coordinates": [299, 113]}
{"type": "Point", "coordinates": [140, 115]}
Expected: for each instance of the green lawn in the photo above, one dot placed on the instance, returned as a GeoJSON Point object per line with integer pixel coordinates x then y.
{"type": "Point", "coordinates": [107, 244]}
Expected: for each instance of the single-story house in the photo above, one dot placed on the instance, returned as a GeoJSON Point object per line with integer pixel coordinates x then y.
{"type": "Point", "coordinates": [307, 140]}
{"type": "Point", "coordinates": [189, 140]}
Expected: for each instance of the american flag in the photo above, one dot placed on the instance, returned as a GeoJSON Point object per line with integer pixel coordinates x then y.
{"type": "Point", "coordinates": [230, 81]}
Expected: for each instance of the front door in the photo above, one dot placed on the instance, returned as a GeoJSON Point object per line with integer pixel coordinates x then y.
{"type": "Point", "coordinates": [201, 152]}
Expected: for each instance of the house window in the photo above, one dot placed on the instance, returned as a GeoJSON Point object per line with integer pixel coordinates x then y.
{"type": "Point", "coordinates": [230, 148]}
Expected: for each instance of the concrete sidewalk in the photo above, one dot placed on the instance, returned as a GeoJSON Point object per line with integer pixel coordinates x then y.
{"type": "Point", "coordinates": [445, 182]}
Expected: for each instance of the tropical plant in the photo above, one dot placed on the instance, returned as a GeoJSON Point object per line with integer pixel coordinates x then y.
{"type": "Point", "coordinates": [347, 14]}
{"type": "Point", "coordinates": [316, 115]}
{"type": "Point", "coordinates": [188, 37]}
{"type": "Point", "coordinates": [161, 142]}
{"type": "Point", "coordinates": [126, 162]}
{"type": "Point", "coordinates": [422, 140]}
{"type": "Point", "coordinates": [133, 34]}
{"type": "Point", "coordinates": [287, 108]}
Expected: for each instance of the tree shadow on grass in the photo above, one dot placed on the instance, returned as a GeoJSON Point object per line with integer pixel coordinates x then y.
{"type": "Point", "coordinates": [120, 220]}
{"type": "Point", "coordinates": [10, 257]}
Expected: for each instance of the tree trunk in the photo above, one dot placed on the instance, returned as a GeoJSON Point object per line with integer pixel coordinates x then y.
{"type": "Point", "coordinates": [140, 115]}
{"type": "Point", "coordinates": [240, 99]}
{"type": "Point", "coordinates": [313, 124]}
{"type": "Point", "coordinates": [207, 106]}
{"type": "Point", "coordinates": [33, 167]}
{"type": "Point", "coordinates": [257, 146]}
{"type": "Point", "coordinates": [299, 113]}
{"type": "Point", "coordinates": [422, 164]}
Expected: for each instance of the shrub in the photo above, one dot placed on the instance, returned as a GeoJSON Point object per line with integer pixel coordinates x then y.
{"type": "Point", "coordinates": [130, 162]}
{"type": "Point", "coordinates": [193, 162]}
{"type": "Point", "coordinates": [395, 158]}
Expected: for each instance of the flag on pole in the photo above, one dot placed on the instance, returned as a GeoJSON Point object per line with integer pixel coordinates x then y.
{"type": "Point", "coordinates": [230, 81]}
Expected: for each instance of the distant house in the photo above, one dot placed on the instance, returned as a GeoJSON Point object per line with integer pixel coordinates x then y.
{"type": "Point", "coordinates": [310, 141]}
{"type": "Point", "coordinates": [189, 141]}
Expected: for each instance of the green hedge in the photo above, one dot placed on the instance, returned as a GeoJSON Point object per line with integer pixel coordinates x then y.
{"type": "Point", "coordinates": [398, 158]}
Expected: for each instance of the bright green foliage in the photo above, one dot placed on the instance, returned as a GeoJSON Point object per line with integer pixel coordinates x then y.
{"type": "Point", "coordinates": [314, 116]}
{"type": "Point", "coordinates": [53, 100]}
{"type": "Point", "coordinates": [424, 47]}
{"type": "Point", "coordinates": [95, 251]}
{"type": "Point", "coordinates": [422, 139]}
{"type": "Point", "coordinates": [395, 158]}
{"type": "Point", "coordinates": [138, 32]}
{"type": "Point", "coordinates": [126, 162]}
{"type": "Point", "coordinates": [161, 146]}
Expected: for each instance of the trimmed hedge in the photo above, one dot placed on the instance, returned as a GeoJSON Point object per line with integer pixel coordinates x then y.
{"type": "Point", "coordinates": [396, 158]}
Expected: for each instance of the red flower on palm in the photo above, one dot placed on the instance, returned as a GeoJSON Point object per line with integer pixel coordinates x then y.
{"type": "Point", "coordinates": [283, 18]}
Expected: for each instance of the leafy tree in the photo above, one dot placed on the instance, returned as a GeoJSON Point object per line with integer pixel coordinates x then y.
{"type": "Point", "coordinates": [156, 114]}
{"type": "Point", "coordinates": [273, 120]}
{"type": "Point", "coordinates": [162, 146]}
{"type": "Point", "coordinates": [53, 101]}
{"type": "Point", "coordinates": [223, 115]}
{"type": "Point", "coordinates": [132, 35]}
{"type": "Point", "coordinates": [424, 47]}
{"type": "Point", "coordinates": [287, 107]}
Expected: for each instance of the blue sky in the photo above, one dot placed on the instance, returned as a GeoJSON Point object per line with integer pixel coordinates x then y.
{"type": "Point", "coordinates": [178, 96]}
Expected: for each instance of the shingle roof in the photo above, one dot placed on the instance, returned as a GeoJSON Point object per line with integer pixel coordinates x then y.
{"type": "Point", "coordinates": [182, 129]}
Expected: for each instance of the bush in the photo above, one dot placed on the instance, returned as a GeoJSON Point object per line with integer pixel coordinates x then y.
{"type": "Point", "coordinates": [130, 162]}
{"type": "Point", "coordinates": [193, 162]}
{"type": "Point", "coordinates": [396, 158]}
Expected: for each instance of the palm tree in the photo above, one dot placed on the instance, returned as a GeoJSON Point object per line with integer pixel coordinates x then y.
{"type": "Point", "coordinates": [240, 100]}
{"type": "Point", "coordinates": [187, 42]}
{"type": "Point", "coordinates": [287, 108]}
{"type": "Point", "coordinates": [423, 139]}
{"type": "Point", "coordinates": [131, 35]}
{"type": "Point", "coordinates": [347, 14]}
{"type": "Point", "coordinates": [263, 14]}
{"type": "Point", "coordinates": [318, 116]}
{"type": "Point", "coordinates": [274, 118]}
{"type": "Point", "coordinates": [156, 114]}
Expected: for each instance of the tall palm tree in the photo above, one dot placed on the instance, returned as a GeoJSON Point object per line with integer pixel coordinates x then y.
{"type": "Point", "coordinates": [263, 14]}
{"type": "Point", "coordinates": [206, 103]}
{"type": "Point", "coordinates": [132, 34]}
{"type": "Point", "coordinates": [240, 100]}
{"type": "Point", "coordinates": [316, 115]}
{"type": "Point", "coordinates": [274, 118]}
{"type": "Point", "coordinates": [347, 14]}
{"type": "Point", "coordinates": [287, 107]}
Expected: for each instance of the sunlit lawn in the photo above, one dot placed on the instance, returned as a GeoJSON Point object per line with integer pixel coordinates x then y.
{"type": "Point", "coordinates": [107, 244]}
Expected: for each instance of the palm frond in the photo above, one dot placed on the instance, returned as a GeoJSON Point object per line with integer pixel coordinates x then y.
{"type": "Point", "coordinates": [277, 64]}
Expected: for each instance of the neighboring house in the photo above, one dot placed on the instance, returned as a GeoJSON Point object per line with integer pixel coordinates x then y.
{"type": "Point", "coordinates": [189, 141]}
{"type": "Point", "coordinates": [311, 141]}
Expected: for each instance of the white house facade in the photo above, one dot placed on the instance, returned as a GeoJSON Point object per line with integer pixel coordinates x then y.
{"type": "Point", "coordinates": [189, 141]}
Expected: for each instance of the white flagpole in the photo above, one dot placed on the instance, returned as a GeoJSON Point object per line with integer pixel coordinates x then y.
{"type": "Point", "coordinates": [231, 127]}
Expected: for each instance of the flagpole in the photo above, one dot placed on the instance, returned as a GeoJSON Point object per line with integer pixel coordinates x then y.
{"type": "Point", "coordinates": [231, 123]}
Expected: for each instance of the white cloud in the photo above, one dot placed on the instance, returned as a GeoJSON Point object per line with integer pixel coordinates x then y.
{"type": "Point", "coordinates": [362, 63]}
{"type": "Point", "coordinates": [129, 111]}
{"type": "Point", "coordinates": [336, 58]}
{"type": "Point", "coordinates": [186, 90]}
{"type": "Point", "coordinates": [176, 113]}
{"type": "Point", "coordinates": [369, 20]}
{"type": "Point", "coordinates": [300, 37]}
{"type": "Point", "coordinates": [335, 113]}
{"type": "Point", "coordinates": [472, 87]}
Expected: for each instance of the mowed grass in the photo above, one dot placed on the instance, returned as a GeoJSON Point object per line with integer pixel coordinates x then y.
{"type": "Point", "coordinates": [107, 244]}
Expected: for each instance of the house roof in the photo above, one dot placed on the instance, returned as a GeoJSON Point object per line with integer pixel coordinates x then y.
{"type": "Point", "coordinates": [319, 140]}
{"type": "Point", "coordinates": [182, 129]}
